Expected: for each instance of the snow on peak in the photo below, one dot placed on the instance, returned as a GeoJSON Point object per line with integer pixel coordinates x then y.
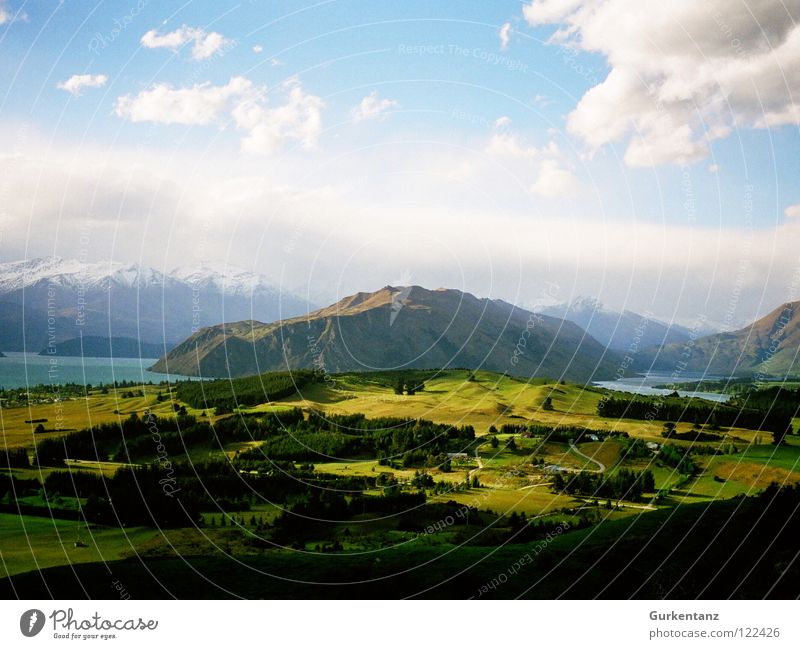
{"type": "Point", "coordinates": [586, 303]}
{"type": "Point", "coordinates": [224, 277]}
{"type": "Point", "coordinates": [17, 275]}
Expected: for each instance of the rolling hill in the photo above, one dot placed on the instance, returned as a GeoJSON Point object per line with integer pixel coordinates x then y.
{"type": "Point", "coordinates": [767, 347]}
{"type": "Point", "coordinates": [398, 328]}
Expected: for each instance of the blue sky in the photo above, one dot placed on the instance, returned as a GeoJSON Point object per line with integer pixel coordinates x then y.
{"type": "Point", "coordinates": [573, 119]}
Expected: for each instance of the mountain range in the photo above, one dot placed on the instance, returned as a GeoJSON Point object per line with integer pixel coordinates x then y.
{"type": "Point", "coordinates": [234, 322]}
{"type": "Point", "coordinates": [397, 328]}
{"type": "Point", "coordinates": [51, 298]}
{"type": "Point", "coordinates": [623, 331]}
{"type": "Point", "coordinates": [101, 347]}
{"type": "Point", "coordinates": [769, 347]}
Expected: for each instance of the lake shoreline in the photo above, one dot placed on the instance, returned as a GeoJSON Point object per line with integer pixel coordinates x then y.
{"type": "Point", "coordinates": [27, 369]}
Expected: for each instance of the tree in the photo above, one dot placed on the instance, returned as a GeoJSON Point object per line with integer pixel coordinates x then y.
{"type": "Point", "coordinates": [399, 386]}
{"type": "Point", "coordinates": [778, 437]}
{"type": "Point", "coordinates": [669, 429]}
{"type": "Point", "coordinates": [511, 445]}
{"type": "Point", "coordinates": [39, 429]}
{"type": "Point", "coordinates": [494, 442]}
{"type": "Point", "coordinates": [548, 404]}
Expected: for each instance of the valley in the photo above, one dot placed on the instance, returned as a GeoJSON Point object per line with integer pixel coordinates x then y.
{"type": "Point", "coordinates": [415, 464]}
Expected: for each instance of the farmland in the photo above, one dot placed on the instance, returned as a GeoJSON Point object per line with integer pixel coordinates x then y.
{"type": "Point", "coordinates": [351, 464]}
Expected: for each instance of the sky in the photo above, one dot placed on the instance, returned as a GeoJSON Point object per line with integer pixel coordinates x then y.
{"type": "Point", "coordinates": [644, 153]}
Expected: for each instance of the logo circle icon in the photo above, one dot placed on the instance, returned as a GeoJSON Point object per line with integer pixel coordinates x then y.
{"type": "Point", "coordinates": [31, 622]}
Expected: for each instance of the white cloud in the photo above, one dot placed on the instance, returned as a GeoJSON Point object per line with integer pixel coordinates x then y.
{"type": "Point", "coordinates": [793, 211]}
{"type": "Point", "coordinates": [199, 104]}
{"type": "Point", "coordinates": [509, 145]}
{"type": "Point", "coordinates": [258, 49]}
{"type": "Point", "coordinates": [222, 206]}
{"type": "Point", "coordinates": [206, 44]}
{"type": "Point", "coordinates": [682, 73]}
{"type": "Point", "coordinates": [268, 127]}
{"type": "Point", "coordinates": [7, 16]}
{"type": "Point", "coordinates": [504, 143]}
{"type": "Point", "coordinates": [505, 35]}
{"type": "Point", "coordinates": [548, 11]}
{"type": "Point", "coordinates": [554, 180]}
{"type": "Point", "coordinates": [77, 82]}
{"type": "Point", "coordinates": [372, 107]}
{"type": "Point", "coordinates": [300, 118]}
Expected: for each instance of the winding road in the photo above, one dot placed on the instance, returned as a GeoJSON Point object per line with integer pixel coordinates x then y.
{"type": "Point", "coordinates": [602, 467]}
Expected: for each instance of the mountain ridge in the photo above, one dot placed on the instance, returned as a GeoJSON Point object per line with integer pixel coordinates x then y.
{"type": "Point", "coordinates": [623, 331]}
{"type": "Point", "coordinates": [397, 327]}
{"type": "Point", "coordinates": [769, 346]}
{"type": "Point", "coordinates": [67, 298]}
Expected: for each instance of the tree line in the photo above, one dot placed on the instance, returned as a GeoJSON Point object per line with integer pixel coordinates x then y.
{"type": "Point", "coordinates": [697, 412]}
{"type": "Point", "coordinates": [624, 484]}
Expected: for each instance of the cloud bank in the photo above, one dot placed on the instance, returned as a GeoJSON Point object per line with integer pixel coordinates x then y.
{"type": "Point", "coordinates": [681, 74]}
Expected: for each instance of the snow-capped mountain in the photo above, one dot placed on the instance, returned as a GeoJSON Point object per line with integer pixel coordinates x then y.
{"type": "Point", "coordinates": [71, 273]}
{"type": "Point", "coordinates": [65, 298]}
{"type": "Point", "coordinates": [225, 278]}
{"type": "Point", "coordinates": [622, 331]}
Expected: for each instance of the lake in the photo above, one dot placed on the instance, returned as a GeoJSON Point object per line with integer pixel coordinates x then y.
{"type": "Point", "coordinates": [644, 385]}
{"type": "Point", "coordinates": [19, 369]}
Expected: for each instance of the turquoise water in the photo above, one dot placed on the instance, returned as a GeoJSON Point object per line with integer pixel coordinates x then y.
{"type": "Point", "coordinates": [19, 370]}
{"type": "Point", "coordinates": [644, 385]}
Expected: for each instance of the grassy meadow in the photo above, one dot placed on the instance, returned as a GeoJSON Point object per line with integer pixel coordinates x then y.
{"type": "Point", "coordinates": [497, 476]}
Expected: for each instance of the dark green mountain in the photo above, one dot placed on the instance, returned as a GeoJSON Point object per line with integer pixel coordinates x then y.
{"type": "Point", "coordinates": [397, 328]}
{"type": "Point", "coordinates": [100, 347]}
{"type": "Point", "coordinates": [768, 347]}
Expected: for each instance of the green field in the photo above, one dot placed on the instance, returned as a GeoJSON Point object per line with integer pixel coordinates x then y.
{"type": "Point", "coordinates": [33, 543]}
{"type": "Point", "coordinates": [499, 475]}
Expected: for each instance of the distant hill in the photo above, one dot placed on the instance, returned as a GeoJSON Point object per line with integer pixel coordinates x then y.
{"type": "Point", "coordinates": [769, 347]}
{"type": "Point", "coordinates": [100, 347]}
{"type": "Point", "coordinates": [397, 328]}
{"type": "Point", "coordinates": [621, 331]}
{"type": "Point", "coordinates": [128, 301]}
